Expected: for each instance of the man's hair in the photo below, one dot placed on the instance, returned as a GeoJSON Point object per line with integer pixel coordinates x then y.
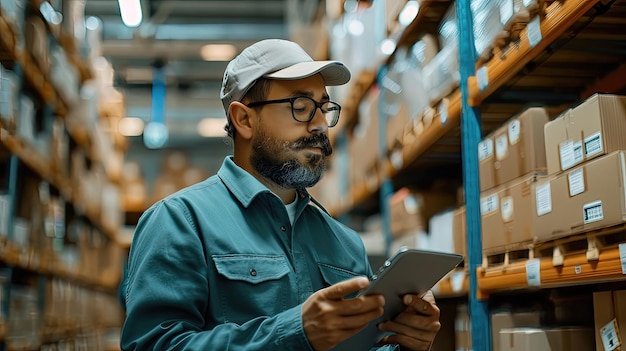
{"type": "Point", "coordinates": [258, 92]}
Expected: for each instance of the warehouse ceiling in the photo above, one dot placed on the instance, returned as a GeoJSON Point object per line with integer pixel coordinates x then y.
{"type": "Point", "coordinates": [172, 35]}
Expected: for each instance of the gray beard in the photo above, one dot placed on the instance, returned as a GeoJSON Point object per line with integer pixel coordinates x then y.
{"type": "Point", "coordinates": [288, 174]}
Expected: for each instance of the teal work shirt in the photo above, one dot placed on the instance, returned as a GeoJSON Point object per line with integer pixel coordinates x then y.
{"type": "Point", "coordinates": [218, 266]}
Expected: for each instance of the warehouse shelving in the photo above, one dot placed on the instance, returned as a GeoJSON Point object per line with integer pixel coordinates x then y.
{"type": "Point", "coordinates": [33, 268]}
{"type": "Point", "coordinates": [44, 168]}
{"type": "Point", "coordinates": [573, 58]}
{"type": "Point", "coordinates": [559, 17]}
{"type": "Point", "coordinates": [37, 79]}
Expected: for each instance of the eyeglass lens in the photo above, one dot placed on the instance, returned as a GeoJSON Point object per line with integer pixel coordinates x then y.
{"type": "Point", "coordinates": [304, 110]}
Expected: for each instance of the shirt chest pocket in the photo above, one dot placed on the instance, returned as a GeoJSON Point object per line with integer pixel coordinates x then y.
{"type": "Point", "coordinates": [251, 285]}
{"type": "Point", "coordinates": [332, 274]}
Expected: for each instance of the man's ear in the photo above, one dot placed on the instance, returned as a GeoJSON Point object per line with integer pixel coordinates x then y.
{"type": "Point", "coordinates": [240, 116]}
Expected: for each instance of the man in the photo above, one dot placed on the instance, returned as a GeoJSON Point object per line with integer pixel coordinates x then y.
{"type": "Point", "coordinates": [247, 260]}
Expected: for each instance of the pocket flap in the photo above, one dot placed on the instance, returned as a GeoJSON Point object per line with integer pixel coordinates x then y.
{"type": "Point", "coordinates": [251, 268]}
{"type": "Point", "coordinates": [333, 275]}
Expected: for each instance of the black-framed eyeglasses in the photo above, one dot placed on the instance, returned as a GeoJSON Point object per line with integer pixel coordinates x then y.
{"type": "Point", "coordinates": [303, 108]}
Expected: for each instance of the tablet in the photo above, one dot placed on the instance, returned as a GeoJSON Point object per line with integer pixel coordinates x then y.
{"type": "Point", "coordinates": [409, 271]}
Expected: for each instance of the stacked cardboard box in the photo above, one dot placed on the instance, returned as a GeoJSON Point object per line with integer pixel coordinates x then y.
{"type": "Point", "coordinates": [546, 339]}
{"type": "Point", "coordinates": [609, 318]}
{"type": "Point", "coordinates": [512, 161]}
{"type": "Point", "coordinates": [585, 190]}
{"type": "Point", "coordinates": [411, 210]}
{"type": "Point", "coordinates": [506, 319]}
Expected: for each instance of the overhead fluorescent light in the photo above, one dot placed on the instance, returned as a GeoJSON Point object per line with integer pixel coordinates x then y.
{"type": "Point", "coordinates": [218, 52]}
{"type": "Point", "coordinates": [130, 126]}
{"type": "Point", "coordinates": [212, 127]}
{"type": "Point", "coordinates": [130, 11]}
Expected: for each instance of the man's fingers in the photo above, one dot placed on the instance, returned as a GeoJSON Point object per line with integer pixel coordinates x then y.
{"type": "Point", "coordinates": [347, 287]}
{"type": "Point", "coordinates": [425, 305]}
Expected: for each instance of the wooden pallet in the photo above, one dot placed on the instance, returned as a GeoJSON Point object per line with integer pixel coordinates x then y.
{"type": "Point", "coordinates": [591, 243]}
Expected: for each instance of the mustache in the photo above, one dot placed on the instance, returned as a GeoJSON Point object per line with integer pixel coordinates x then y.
{"type": "Point", "coordinates": [317, 140]}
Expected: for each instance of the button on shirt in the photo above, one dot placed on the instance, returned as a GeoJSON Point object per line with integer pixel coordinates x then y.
{"type": "Point", "coordinates": [219, 266]}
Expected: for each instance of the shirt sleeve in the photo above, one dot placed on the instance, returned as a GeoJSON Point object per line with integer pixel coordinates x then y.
{"type": "Point", "coordinates": [167, 294]}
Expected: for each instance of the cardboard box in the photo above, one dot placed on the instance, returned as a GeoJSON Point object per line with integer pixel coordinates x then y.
{"type": "Point", "coordinates": [487, 173]}
{"type": "Point", "coordinates": [590, 196]}
{"type": "Point", "coordinates": [459, 231]}
{"type": "Point", "coordinates": [609, 305]}
{"type": "Point", "coordinates": [515, 149]}
{"type": "Point", "coordinates": [519, 145]}
{"type": "Point", "coordinates": [534, 339]}
{"type": "Point", "coordinates": [507, 319]}
{"type": "Point", "coordinates": [414, 240]}
{"type": "Point", "coordinates": [594, 128]}
{"type": "Point", "coordinates": [441, 232]}
{"type": "Point", "coordinates": [363, 145]}
{"type": "Point", "coordinates": [411, 209]}
{"type": "Point", "coordinates": [397, 119]}
{"type": "Point", "coordinates": [507, 214]}
{"type": "Point", "coordinates": [463, 329]}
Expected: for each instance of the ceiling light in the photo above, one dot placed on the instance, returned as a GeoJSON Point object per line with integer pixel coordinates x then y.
{"type": "Point", "coordinates": [212, 127]}
{"type": "Point", "coordinates": [93, 23]}
{"type": "Point", "coordinates": [387, 46]}
{"type": "Point", "coordinates": [218, 52]}
{"type": "Point", "coordinates": [356, 27]}
{"type": "Point", "coordinates": [130, 126]}
{"type": "Point", "coordinates": [131, 12]}
{"type": "Point", "coordinates": [155, 135]}
{"type": "Point", "coordinates": [408, 13]}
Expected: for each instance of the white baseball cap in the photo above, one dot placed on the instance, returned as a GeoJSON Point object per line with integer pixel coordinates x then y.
{"type": "Point", "coordinates": [275, 59]}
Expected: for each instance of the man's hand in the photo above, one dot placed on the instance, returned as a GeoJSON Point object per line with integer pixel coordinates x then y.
{"type": "Point", "coordinates": [417, 326]}
{"type": "Point", "coordinates": [328, 318]}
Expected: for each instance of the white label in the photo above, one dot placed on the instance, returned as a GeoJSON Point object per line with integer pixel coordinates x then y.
{"type": "Point", "coordinates": [534, 32]}
{"type": "Point", "coordinates": [622, 257]}
{"type": "Point", "coordinates": [570, 154]}
{"type": "Point", "coordinates": [533, 272]}
{"type": "Point", "coordinates": [592, 212]}
{"type": "Point", "coordinates": [485, 149]}
{"type": "Point", "coordinates": [507, 208]}
{"type": "Point", "coordinates": [396, 159]}
{"type": "Point", "coordinates": [502, 147]}
{"type": "Point", "coordinates": [610, 336]}
{"type": "Point", "coordinates": [443, 112]}
{"type": "Point", "coordinates": [457, 279]}
{"type": "Point", "coordinates": [489, 204]}
{"type": "Point", "coordinates": [514, 132]}
{"type": "Point", "coordinates": [578, 269]}
{"type": "Point", "coordinates": [593, 144]}
{"type": "Point", "coordinates": [506, 11]}
{"type": "Point", "coordinates": [576, 180]}
{"type": "Point", "coordinates": [482, 78]}
{"type": "Point", "coordinates": [544, 199]}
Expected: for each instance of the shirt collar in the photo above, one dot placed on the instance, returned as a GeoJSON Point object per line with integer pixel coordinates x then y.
{"type": "Point", "coordinates": [245, 187]}
{"type": "Point", "coordinates": [239, 182]}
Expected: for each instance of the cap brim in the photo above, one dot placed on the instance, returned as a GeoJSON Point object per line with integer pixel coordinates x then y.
{"type": "Point", "coordinates": [333, 72]}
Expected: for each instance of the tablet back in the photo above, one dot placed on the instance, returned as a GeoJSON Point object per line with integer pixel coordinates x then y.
{"type": "Point", "coordinates": [409, 271]}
